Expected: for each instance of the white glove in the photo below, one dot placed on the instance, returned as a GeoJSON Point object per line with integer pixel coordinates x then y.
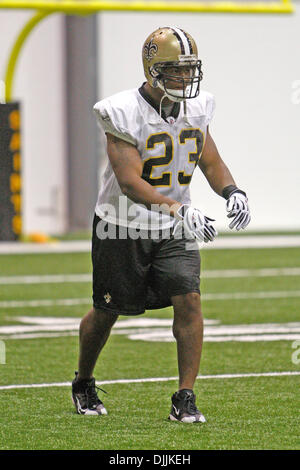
{"type": "Point", "coordinates": [238, 210]}
{"type": "Point", "coordinates": [197, 224]}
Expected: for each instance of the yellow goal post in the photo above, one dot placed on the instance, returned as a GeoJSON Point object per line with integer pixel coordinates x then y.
{"type": "Point", "coordinates": [84, 7]}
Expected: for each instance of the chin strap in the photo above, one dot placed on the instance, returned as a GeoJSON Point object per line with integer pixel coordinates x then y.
{"type": "Point", "coordinates": [185, 118]}
{"type": "Point", "coordinates": [160, 103]}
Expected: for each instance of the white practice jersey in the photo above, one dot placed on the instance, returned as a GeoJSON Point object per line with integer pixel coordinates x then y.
{"type": "Point", "coordinates": [169, 148]}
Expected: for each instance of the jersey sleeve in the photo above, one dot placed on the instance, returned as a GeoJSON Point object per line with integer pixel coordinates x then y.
{"type": "Point", "coordinates": [210, 107]}
{"type": "Point", "coordinates": [113, 120]}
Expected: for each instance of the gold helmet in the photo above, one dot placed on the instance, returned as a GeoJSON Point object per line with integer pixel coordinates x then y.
{"type": "Point", "coordinates": [170, 60]}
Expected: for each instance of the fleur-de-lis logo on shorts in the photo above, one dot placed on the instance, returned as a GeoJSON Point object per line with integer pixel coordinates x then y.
{"type": "Point", "coordinates": [150, 49]}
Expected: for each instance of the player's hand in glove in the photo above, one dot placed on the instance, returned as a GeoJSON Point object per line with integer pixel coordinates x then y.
{"type": "Point", "coordinates": [238, 209]}
{"type": "Point", "coordinates": [197, 224]}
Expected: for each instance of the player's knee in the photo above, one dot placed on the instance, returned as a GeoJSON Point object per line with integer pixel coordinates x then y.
{"type": "Point", "coordinates": [192, 300]}
{"type": "Point", "coordinates": [188, 303]}
{"type": "Point", "coordinates": [187, 313]}
{"type": "Point", "coordinates": [103, 317]}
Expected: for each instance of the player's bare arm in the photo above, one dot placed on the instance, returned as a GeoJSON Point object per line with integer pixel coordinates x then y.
{"type": "Point", "coordinates": [222, 182]}
{"type": "Point", "coordinates": [213, 167]}
{"type": "Point", "coordinates": [128, 168]}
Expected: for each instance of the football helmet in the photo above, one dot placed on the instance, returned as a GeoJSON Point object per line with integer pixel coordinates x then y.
{"type": "Point", "coordinates": [170, 60]}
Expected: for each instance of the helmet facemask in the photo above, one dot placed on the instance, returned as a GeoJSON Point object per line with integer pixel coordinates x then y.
{"type": "Point", "coordinates": [170, 61]}
{"type": "Point", "coordinates": [179, 80]}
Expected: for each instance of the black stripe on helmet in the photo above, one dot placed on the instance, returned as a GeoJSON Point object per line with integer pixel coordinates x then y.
{"type": "Point", "coordinates": [180, 41]}
{"type": "Point", "coordinates": [188, 40]}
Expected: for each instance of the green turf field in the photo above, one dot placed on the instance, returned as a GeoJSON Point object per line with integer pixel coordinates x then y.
{"type": "Point", "coordinates": [252, 323]}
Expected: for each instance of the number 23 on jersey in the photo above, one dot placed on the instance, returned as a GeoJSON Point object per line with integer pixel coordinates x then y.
{"type": "Point", "coordinates": [165, 179]}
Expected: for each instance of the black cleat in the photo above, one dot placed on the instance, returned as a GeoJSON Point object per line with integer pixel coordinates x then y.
{"type": "Point", "coordinates": [184, 408]}
{"type": "Point", "coordinates": [85, 398]}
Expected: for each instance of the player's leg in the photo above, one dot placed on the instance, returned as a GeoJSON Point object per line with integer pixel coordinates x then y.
{"type": "Point", "coordinates": [176, 270]}
{"type": "Point", "coordinates": [188, 332]}
{"type": "Point", "coordinates": [95, 328]}
{"type": "Point", "coordinates": [120, 267]}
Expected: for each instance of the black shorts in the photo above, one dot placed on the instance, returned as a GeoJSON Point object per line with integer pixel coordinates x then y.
{"type": "Point", "coordinates": [131, 276]}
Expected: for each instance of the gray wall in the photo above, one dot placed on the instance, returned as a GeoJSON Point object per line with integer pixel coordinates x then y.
{"type": "Point", "coordinates": [250, 63]}
{"type": "Point", "coordinates": [40, 87]}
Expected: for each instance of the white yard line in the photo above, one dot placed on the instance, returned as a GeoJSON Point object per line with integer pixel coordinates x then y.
{"type": "Point", "coordinates": [211, 274]}
{"type": "Point", "coordinates": [252, 295]}
{"type": "Point", "coordinates": [19, 248]}
{"type": "Point", "coordinates": [87, 301]}
{"type": "Point", "coordinates": [47, 279]}
{"type": "Point", "coordinates": [263, 241]}
{"type": "Point", "coordinates": [80, 246]}
{"type": "Point", "coordinates": [156, 379]}
{"type": "Point", "coordinates": [264, 272]}
{"type": "Point", "coordinates": [152, 329]}
{"type": "Point", "coordinates": [44, 303]}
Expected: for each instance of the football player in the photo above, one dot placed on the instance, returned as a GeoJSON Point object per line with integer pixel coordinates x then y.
{"type": "Point", "coordinates": [156, 135]}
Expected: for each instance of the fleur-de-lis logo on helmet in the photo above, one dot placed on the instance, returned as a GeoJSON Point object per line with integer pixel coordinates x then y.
{"type": "Point", "coordinates": [150, 49]}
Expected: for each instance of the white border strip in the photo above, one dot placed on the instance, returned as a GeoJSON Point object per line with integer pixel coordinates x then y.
{"type": "Point", "coordinates": [45, 302]}
{"type": "Point", "coordinates": [48, 279]}
{"type": "Point", "coordinates": [205, 297]}
{"type": "Point", "coordinates": [2, 92]}
{"type": "Point", "coordinates": [156, 379]}
{"type": "Point", "coordinates": [209, 274]}
{"type": "Point", "coordinates": [81, 246]}
{"type": "Point", "coordinates": [20, 248]}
